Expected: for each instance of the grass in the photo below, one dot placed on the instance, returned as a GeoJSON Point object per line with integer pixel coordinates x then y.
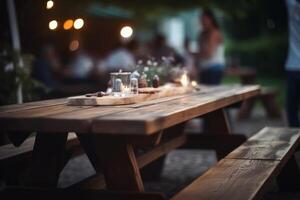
{"type": "Point", "coordinates": [277, 83]}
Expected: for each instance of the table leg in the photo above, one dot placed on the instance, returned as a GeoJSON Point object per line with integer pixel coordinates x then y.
{"type": "Point", "coordinates": [117, 161]}
{"type": "Point", "coordinates": [246, 108]}
{"type": "Point", "coordinates": [216, 123]}
{"type": "Point", "coordinates": [47, 159]}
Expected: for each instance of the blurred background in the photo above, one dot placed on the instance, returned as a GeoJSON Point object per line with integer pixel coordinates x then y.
{"type": "Point", "coordinates": [69, 47]}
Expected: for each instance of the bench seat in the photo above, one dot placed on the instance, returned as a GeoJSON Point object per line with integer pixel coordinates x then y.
{"type": "Point", "coordinates": [247, 171]}
{"type": "Point", "coordinates": [14, 160]}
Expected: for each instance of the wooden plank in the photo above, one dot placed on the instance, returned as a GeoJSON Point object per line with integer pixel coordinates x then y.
{"type": "Point", "coordinates": [277, 134]}
{"type": "Point", "coordinates": [150, 119]}
{"type": "Point", "coordinates": [115, 159]}
{"type": "Point", "coordinates": [231, 179]}
{"type": "Point", "coordinates": [158, 151]}
{"type": "Point", "coordinates": [10, 151]}
{"type": "Point", "coordinates": [58, 117]}
{"type": "Point", "coordinates": [32, 105]}
{"type": "Point", "coordinates": [74, 119]}
{"type": "Point", "coordinates": [41, 112]}
{"type": "Point", "coordinates": [269, 144]}
{"type": "Point", "coordinates": [263, 150]}
{"type": "Point", "coordinates": [98, 181]}
{"type": "Point", "coordinates": [61, 118]}
{"type": "Point", "coordinates": [16, 193]}
{"type": "Point", "coordinates": [160, 92]}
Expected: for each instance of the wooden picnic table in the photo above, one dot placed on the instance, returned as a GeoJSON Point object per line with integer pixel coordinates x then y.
{"type": "Point", "coordinates": [110, 135]}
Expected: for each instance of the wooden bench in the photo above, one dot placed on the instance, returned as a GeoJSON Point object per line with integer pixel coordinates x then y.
{"type": "Point", "coordinates": [267, 97]}
{"type": "Point", "coordinates": [247, 171]}
{"type": "Point", "coordinates": [14, 160]}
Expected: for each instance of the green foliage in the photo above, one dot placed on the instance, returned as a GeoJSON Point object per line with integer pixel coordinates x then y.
{"type": "Point", "coordinates": [11, 75]}
{"type": "Point", "coordinates": [266, 53]}
{"type": "Point", "coordinates": [275, 82]}
{"type": "Point", "coordinates": [258, 37]}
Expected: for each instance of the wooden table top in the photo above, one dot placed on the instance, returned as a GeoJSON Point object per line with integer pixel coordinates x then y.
{"type": "Point", "coordinates": [138, 119]}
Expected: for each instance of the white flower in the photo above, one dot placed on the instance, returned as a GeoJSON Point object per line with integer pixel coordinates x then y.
{"type": "Point", "coordinates": [146, 69]}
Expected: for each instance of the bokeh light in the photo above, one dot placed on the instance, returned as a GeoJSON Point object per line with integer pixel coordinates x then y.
{"type": "Point", "coordinates": [126, 32]}
{"type": "Point", "coordinates": [74, 45]}
{"type": "Point", "coordinates": [78, 23]}
{"type": "Point", "coordinates": [53, 25]}
{"type": "Point", "coordinates": [49, 4]}
{"type": "Point", "coordinates": [68, 24]}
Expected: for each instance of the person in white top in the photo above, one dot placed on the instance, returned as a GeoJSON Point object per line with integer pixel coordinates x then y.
{"type": "Point", "coordinates": [210, 60]}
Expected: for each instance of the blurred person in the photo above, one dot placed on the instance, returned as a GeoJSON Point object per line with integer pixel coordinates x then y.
{"type": "Point", "coordinates": [122, 58]}
{"type": "Point", "coordinates": [81, 66]}
{"type": "Point", "coordinates": [210, 60]}
{"type": "Point", "coordinates": [46, 66]}
{"type": "Point", "coordinates": [189, 61]}
{"type": "Point", "coordinates": [161, 49]}
{"type": "Point", "coordinates": [292, 65]}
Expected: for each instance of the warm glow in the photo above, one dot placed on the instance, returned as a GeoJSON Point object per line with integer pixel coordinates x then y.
{"type": "Point", "coordinates": [53, 25]}
{"type": "Point", "coordinates": [194, 83]}
{"type": "Point", "coordinates": [68, 24]}
{"type": "Point", "coordinates": [74, 45]}
{"type": "Point", "coordinates": [78, 23]}
{"type": "Point", "coordinates": [126, 32]}
{"type": "Point", "coordinates": [50, 4]}
{"type": "Point", "coordinates": [184, 80]}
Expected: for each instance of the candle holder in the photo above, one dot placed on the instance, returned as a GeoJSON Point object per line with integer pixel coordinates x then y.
{"type": "Point", "coordinates": [120, 82]}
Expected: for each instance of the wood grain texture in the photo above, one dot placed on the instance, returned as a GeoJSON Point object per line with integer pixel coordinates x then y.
{"type": "Point", "coordinates": [231, 179]}
{"type": "Point", "coordinates": [116, 160]}
{"type": "Point", "coordinates": [98, 181]}
{"type": "Point", "coordinates": [32, 105]}
{"type": "Point", "coordinates": [142, 118]}
{"type": "Point", "coordinates": [16, 193]}
{"type": "Point", "coordinates": [150, 119]}
{"type": "Point", "coordinates": [277, 134]}
{"type": "Point", "coordinates": [269, 144]}
{"type": "Point", "coordinates": [130, 99]}
{"type": "Point", "coordinates": [75, 119]}
{"type": "Point", "coordinates": [160, 150]}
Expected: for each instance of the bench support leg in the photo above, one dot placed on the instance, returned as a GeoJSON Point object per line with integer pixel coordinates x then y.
{"type": "Point", "coordinates": [47, 159]}
{"type": "Point", "coordinates": [289, 177]}
{"type": "Point", "coordinates": [115, 159]}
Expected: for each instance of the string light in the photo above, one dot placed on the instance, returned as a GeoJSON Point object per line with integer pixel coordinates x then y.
{"type": "Point", "coordinates": [68, 24]}
{"type": "Point", "coordinates": [53, 25]}
{"type": "Point", "coordinates": [126, 32]}
{"type": "Point", "coordinates": [49, 4]}
{"type": "Point", "coordinates": [78, 23]}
